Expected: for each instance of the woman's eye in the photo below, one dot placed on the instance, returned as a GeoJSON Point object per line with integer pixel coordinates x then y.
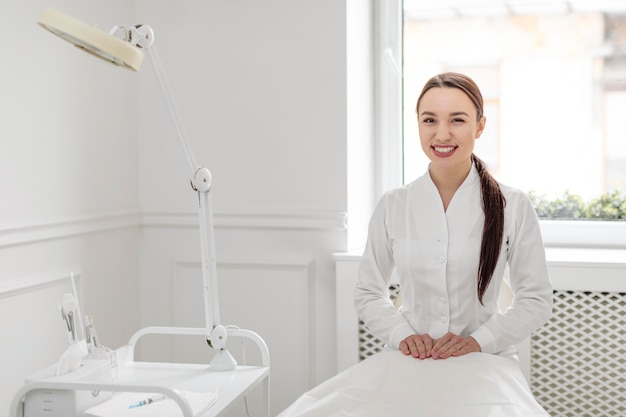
{"type": "Point", "coordinates": [428, 120]}
{"type": "Point", "coordinates": [458, 121]}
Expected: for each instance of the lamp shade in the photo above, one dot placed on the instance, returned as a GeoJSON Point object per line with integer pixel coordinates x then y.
{"type": "Point", "coordinates": [91, 39]}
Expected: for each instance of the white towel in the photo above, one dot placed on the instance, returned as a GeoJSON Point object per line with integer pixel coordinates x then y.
{"type": "Point", "coordinates": [118, 405]}
{"type": "Point", "coordinates": [392, 384]}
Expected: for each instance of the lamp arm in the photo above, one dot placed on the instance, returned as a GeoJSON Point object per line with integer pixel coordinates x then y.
{"type": "Point", "coordinates": [201, 182]}
{"type": "Point", "coordinates": [216, 333]}
{"type": "Point", "coordinates": [173, 110]}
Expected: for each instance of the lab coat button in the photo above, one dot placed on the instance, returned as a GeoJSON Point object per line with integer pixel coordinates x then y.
{"type": "Point", "coordinates": [443, 300]}
{"type": "Point", "coordinates": [444, 319]}
{"type": "Point", "coordinates": [441, 259]}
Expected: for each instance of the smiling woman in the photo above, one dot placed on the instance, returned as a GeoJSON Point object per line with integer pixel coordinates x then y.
{"type": "Point", "coordinates": [449, 236]}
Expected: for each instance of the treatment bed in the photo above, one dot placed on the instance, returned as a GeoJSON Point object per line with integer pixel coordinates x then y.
{"type": "Point", "coordinates": [392, 384]}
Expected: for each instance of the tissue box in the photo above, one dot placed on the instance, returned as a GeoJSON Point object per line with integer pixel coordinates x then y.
{"type": "Point", "coordinates": [64, 403]}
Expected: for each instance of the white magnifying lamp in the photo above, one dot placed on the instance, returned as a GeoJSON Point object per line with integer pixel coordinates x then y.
{"type": "Point", "coordinates": [124, 47]}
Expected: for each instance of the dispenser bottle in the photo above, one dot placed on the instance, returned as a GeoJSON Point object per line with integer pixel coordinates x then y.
{"type": "Point", "coordinates": [96, 350]}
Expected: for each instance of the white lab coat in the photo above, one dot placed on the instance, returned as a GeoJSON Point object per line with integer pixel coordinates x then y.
{"type": "Point", "coordinates": [436, 253]}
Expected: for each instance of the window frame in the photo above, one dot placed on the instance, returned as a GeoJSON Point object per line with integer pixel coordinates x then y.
{"type": "Point", "coordinates": [389, 139]}
{"type": "Point", "coordinates": [388, 66]}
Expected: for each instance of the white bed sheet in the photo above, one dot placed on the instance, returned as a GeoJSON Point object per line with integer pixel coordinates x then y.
{"type": "Point", "coordinates": [390, 384]}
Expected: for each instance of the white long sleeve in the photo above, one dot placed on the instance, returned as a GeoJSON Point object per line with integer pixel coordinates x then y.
{"type": "Point", "coordinates": [435, 254]}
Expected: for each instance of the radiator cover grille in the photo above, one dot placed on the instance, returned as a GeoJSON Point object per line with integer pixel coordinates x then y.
{"type": "Point", "coordinates": [368, 343]}
{"type": "Point", "coordinates": [578, 359]}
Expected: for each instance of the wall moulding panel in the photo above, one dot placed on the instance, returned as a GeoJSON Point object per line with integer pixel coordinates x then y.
{"type": "Point", "coordinates": [23, 285]}
{"type": "Point", "coordinates": [34, 335]}
{"type": "Point", "coordinates": [330, 221]}
{"type": "Point", "coordinates": [274, 298]}
{"type": "Point", "coordinates": [58, 229]}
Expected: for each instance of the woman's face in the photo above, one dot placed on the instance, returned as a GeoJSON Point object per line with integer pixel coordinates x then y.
{"type": "Point", "coordinates": [448, 127]}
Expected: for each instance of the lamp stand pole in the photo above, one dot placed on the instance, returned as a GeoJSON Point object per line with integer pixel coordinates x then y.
{"type": "Point", "coordinates": [201, 181]}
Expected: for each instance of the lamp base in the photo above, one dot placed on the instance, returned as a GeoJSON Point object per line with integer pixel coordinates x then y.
{"type": "Point", "coordinates": [223, 361]}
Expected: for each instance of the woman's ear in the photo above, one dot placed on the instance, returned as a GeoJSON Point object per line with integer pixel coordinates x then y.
{"type": "Point", "coordinates": [481, 127]}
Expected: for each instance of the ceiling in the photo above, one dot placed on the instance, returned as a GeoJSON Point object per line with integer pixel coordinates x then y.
{"type": "Point", "coordinates": [443, 9]}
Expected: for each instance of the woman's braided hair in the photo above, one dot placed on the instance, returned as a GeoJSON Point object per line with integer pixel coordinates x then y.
{"type": "Point", "coordinates": [492, 198]}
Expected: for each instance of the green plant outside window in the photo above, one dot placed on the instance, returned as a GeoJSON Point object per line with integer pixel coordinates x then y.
{"type": "Point", "coordinates": [569, 206]}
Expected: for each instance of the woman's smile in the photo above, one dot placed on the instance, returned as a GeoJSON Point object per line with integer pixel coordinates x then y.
{"type": "Point", "coordinates": [443, 151]}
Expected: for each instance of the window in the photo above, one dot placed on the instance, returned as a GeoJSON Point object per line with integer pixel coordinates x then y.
{"type": "Point", "coordinates": [553, 76]}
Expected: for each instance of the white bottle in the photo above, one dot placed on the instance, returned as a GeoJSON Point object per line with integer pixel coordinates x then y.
{"type": "Point", "coordinates": [97, 351]}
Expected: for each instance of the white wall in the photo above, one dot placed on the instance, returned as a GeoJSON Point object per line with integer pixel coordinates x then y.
{"type": "Point", "coordinates": [68, 178]}
{"type": "Point", "coordinates": [68, 169]}
{"type": "Point", "coordinates": [263, 92]}
{"type": "Point", "coordinates": [92, 180]}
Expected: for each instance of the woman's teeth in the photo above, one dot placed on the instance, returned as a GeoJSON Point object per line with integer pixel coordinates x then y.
{"type": "Point", "coordinates": [444, 149]}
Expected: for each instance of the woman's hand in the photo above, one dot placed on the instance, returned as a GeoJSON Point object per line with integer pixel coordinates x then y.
{"type": "Point", "coordinates": [418, 346]}
{"type": "Point", "coordinates": [423, 346]}
{"type": "Point", "coordinates": [451, 344]}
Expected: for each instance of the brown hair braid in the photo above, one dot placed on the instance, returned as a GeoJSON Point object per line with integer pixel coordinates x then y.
{"type": "Point", "coordinates": [493, 228]}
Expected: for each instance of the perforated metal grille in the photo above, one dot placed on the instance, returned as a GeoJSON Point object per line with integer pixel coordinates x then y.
{"type": "Point", "coordinates": [368, 343]}
{"type": "Point", "coordinates": [578, 359]}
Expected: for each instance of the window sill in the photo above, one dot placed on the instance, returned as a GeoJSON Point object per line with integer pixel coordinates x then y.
{"type": "Point", "coordinates": [598, 257]}
{"type": "Point", "coordinates": [584, 234]}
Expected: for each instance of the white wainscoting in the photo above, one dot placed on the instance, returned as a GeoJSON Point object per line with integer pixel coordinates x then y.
{"type": "Point", "coordinates": [33, 334]}
{"type": "Point", "coordinates": [58, 229]}
{"type": "Point", "coordinates": [275, 271]}
{"type": "Point", "coordinates": [295, 220]}
{"type": "Point", "coordinates": [274, 298]}
{"type": "Point", "coordinates": [36, 260]}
